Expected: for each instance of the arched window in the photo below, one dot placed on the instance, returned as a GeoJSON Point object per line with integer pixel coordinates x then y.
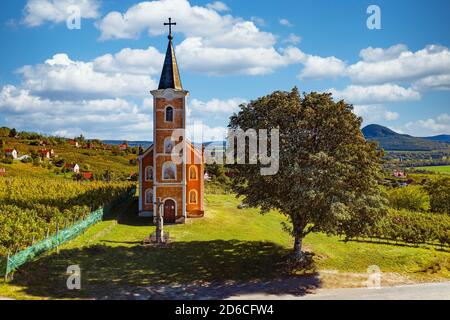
{"type": "Point", "coordinates": [148, 196]}
{"type": "Point", "coordinates": [149, 173]}
{"type": "Point", "coordinates": [169, 144]}
{"type": "Point", "coordinates": [169, 171]}
{"type": "Point", "coordinates": [169, 114]}
{"type": "Point", "coordinates": [193, 197]}
{"type": "Point", "coordinates": [193, 173]}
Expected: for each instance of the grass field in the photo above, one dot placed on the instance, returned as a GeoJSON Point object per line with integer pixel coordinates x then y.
{"type": "Point", "coordinates": [438, 169]}
{"type": "Point", "coordinates": [228, 245]}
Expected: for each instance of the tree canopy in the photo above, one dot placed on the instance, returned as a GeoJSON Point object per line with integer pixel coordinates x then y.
{"type": "Point", "coordinates": [328, 178]}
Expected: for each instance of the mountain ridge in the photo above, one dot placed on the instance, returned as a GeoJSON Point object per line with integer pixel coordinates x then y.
{"type": "Point", "coordinates": [391, 140]}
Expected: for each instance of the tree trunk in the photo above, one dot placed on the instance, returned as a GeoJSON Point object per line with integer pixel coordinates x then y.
{"type": "Point", "coordinates": [298, 254]}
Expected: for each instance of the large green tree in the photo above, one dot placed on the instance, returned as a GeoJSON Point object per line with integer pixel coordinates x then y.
{"type": "Point", "coordinates": [328, 177]}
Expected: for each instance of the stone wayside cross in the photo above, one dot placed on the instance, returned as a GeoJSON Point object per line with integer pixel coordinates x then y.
{"type": "Point", "coordinates": [159, 222]}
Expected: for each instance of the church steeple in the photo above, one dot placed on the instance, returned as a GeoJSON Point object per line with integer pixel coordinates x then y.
{"type": "Point", "coordinates": [170, 76]}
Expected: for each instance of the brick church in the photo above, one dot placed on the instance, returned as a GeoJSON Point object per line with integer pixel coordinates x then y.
{"type": "Point", "coordinates": [176, 187]}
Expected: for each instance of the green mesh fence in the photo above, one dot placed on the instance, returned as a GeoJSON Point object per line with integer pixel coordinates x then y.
{"type": "Point", "coordinates": [14, 262]}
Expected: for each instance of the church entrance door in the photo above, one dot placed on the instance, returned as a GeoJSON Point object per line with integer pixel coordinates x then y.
{"type": "Point", "coordinates": [169, 211]}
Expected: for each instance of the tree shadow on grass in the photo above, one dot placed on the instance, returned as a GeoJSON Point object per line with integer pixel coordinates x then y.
{"type": "Point", "coordinates": [180, 270]}
{"type": "Point", "coordinates": [130, 216]}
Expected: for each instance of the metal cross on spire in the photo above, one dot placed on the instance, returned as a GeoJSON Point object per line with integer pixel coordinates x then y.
{"type": "Point", "coordinates": [170, 24]}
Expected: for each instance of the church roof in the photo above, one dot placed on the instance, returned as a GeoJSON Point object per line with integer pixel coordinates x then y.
{"type": "Point", "coordinates": [170, 76]}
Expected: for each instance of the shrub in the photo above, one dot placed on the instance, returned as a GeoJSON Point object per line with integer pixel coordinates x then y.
{"type": "Point", "coordinates": [412, 227]}
{"type": "Point", "coordinates": [413, 198]}
{"type": "Point", "coordinates": [439, 190]}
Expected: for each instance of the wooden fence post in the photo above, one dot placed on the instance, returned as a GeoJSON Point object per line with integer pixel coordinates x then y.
{"type": "Point", "coordinates": [6, 270]}
{"type": "Point", "coordinates": [57, 238]}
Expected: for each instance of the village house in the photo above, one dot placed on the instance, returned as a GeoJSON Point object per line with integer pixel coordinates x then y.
{"type": "Point", "coordinates": [87, 175]}
{"type": "Point", "coordinates": [11, 153]}
{"type": "Point", "coordinates": [123, 146]}
{"type": "Point", "coordinates": [47, 153]}
{"type": "Point", "coordinates": [171, 189]}
{"type": "Point", "coordinates": [74, 143]}
{"type": "Point", "coordinates": [73, 167]}
{"type": "Point", "coordinates": [399, 174]}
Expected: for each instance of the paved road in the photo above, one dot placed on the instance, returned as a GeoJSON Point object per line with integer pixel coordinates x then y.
{"type": "Point", "coordinates": [428, 291]}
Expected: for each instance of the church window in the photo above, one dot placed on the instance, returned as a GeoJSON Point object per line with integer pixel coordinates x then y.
{"type": "Point", "coordinates": [169, 144]}
{"type": "Point", "coordinates": [169, 114]}
{"type": "Point", "coordinates": [193, 173]}
{"type": "Point", "coordinates": [148, 173]}
{"type": "Point", "coordinates": [193, 197]}
{"type": "Point", "coordinates": [148, 196]}
{"type": "Point", "coordinates": [169, 171]}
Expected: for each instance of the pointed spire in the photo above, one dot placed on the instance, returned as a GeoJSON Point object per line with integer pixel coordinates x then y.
{"type": "Point", "coordinates": [170, 76]}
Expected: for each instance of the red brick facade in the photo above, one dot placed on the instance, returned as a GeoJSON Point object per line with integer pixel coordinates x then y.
{"type": "Point", "coordinates": [160, 177]}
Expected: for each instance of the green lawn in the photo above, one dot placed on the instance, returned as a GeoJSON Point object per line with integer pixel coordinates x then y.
{"type": "Point", "coordinates": [227, 245]}
{"type": "Point", "coordinates": [439, 169]}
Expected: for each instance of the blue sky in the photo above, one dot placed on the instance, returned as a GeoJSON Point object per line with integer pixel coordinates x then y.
{"type": "Point", "coordinates": [96, 80]}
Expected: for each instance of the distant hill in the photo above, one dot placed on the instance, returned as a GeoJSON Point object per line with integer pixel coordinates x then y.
{"type": "Point", "coordinates": [143, 144]}
{"type": "Point", "coordinates": [391, 140]}
{"type": "Point", "coordinates": [441, 138]}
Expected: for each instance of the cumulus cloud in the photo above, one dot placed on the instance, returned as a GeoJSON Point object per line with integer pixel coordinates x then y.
{"type": "Point", "coordinates": [285, 22]}
{"type": "Point", "coordinates": [216, 29]}
{"type": "Point", "coordinates": [201, 132]}
{"type": "Point", "coordinates": [429, 127]}
{"type": "Point", "coordinates": [216, 106]}
{"type": "Point", "coordinates": [132, 61]}
{"type": "Point", "coordinates": [99, 118]}
{"type": "Point", "coordinates": [62, 78]}
{"type": "Point", "coordinates": [440, 82]}
{"type": "Point", "coordinates": [375, 94]}
{"type": "Point", "coordinates": [194, 55]}
{"type": "Point", "coordinates": [400, 65]}
{"type": "Point", "coordinates": [37, 12]}
{"type": "Point", "coordinates": [375, 113]}
{"type": "Point", "coordinates": [218, 6]}
{"type": "Point", "coordinates": [293, 39]}
{"type": "Point", "coordinates": [379, 54]}
{"type": "Point", "coordinates": [316, 67]}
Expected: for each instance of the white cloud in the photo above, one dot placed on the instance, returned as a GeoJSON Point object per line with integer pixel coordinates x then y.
{"type": "Point", "coordinates": [440, 82]}
{"type": "Point", "coordinates": [101, 118]}
{"type": "Point", "coordinates": [218, 6]}
{"type": "Point", "coordinates": [293, 39]}
{"type": "Point", "coordinates": [285, 22]}
{"type": "Point", "coordinates": [194, 55]}
{"type": "Point", "coordinates": [258, 21]}
{"type": "Point", "coordinates": [316, 67]}
{"type": "Point", "coordinates": [379, 54]}
{"type": "Point", "coordinates": [37, 12]}
{"type": "Point", "coordinates": [375, 94]}
{"type": "Point", "coordinates": [195, 21]}
{"type": "Point", "coordinates": [201, 132]}
{"type": "Point", "coordinates": [374, 113]}
{"type": "Point", "coordinates": [429, 127]}
{"type": "Point", "coordinates": [62, 78]}
{"type": "Point", "coordinates": [403, 66]}
{"type": "Point", "coordinates": [132, 61]}
{"type": "Point", "coordinates": [216, 106]}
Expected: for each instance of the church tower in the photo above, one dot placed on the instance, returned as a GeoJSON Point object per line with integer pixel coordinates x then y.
{"type": "Point", "coordinates": [175, 186]}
